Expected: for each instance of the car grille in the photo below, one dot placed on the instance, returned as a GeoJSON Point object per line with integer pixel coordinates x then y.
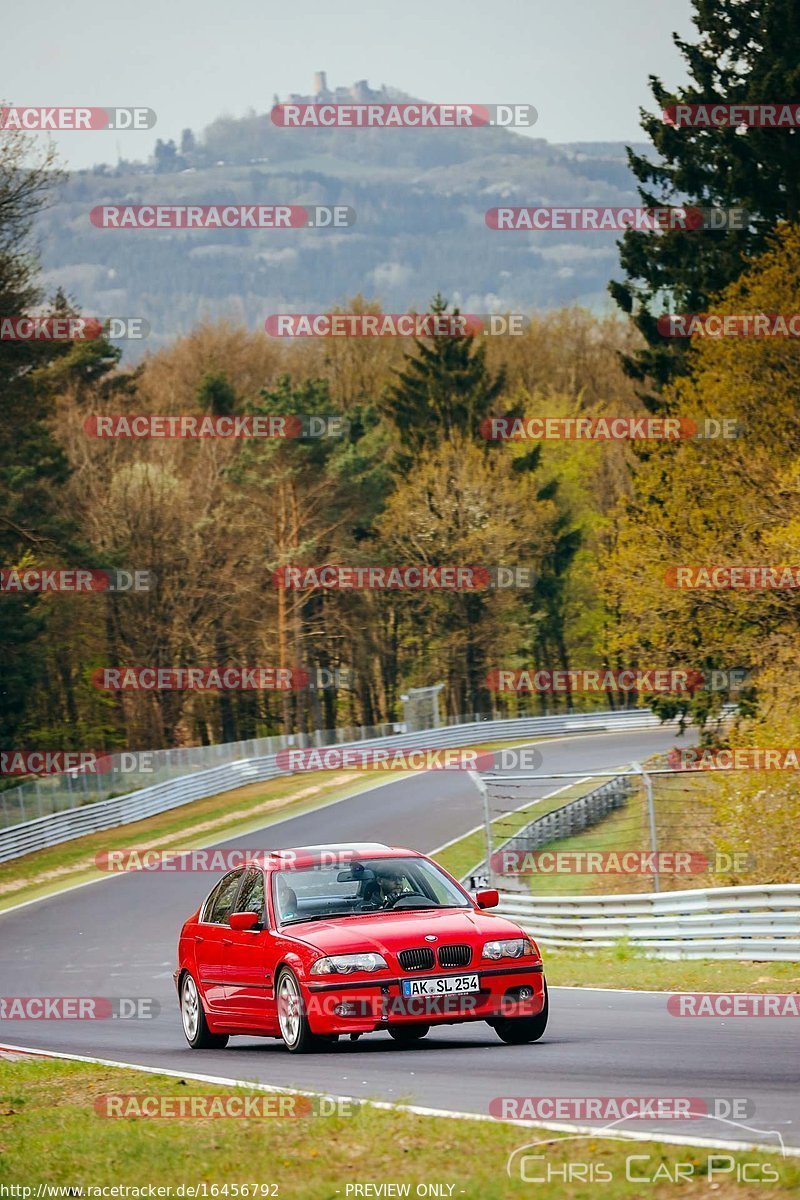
{"type": "Point", "coordinates": [416, 960]}
{"type": "Point", "coordinates": [454, 956]}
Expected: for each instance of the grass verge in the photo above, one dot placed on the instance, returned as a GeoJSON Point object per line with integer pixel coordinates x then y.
{"type": "Point", "coordinates": [624, 968]}
{"type": "Point", "coordinates": [50, 1133]}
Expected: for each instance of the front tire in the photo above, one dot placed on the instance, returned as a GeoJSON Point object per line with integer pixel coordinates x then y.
{"type": "Point", "coordinates": [292, 1019]}
{"type": "Point", "coordinates": [516, 1031]}
{"type": "Point", "coordinates": [407, 1035]}
{"type": "Point", "coordinates": [193, 1018]}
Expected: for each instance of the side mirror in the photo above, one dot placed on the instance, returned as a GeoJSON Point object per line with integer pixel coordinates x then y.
{"type": "Point", "coordinates": [489, 898]}
{"type": "Point", "coordinates": [244, 920]}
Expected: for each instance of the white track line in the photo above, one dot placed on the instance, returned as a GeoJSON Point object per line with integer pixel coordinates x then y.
{"type": "Point", "coordinates": [417, 1109]}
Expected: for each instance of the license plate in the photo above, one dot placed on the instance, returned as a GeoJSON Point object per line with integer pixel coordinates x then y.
{"type": "Point", "coordinates": [441, 985]}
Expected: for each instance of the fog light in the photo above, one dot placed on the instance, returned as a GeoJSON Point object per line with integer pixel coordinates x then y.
{"type": "Point", "coordinates": [345, 1009]}
{"type": "Point", "coordinates": [525, 993]}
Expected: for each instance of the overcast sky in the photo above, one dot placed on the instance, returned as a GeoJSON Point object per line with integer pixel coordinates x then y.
{"type": "Point", "coordinates": [582, 63]}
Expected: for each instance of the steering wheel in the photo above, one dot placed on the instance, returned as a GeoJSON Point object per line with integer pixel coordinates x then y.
{"type": "Point", "coordinates": [392, 900]}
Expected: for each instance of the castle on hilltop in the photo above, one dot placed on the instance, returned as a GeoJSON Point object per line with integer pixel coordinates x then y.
{"type": "Point", "coordinates": [359, 92]}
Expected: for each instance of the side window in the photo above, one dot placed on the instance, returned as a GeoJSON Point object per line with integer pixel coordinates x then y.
{"type": "Point", "coordinates": [251, 897]}
{"type": "Point", "coordinates": [221, 902]}
{"type": "Point", "coordinates": [209, 900]}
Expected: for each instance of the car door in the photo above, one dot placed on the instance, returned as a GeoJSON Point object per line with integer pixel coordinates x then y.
{"type": "Point", "coordinates": [210, 930]}
{"type": "Point", "coordinates": [246, 966]}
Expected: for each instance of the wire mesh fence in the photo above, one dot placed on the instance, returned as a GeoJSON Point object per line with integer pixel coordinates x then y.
{"type": "Point", "coordinates": [129, 771]}
{"type": "Point", "coordinates": [631, 830]}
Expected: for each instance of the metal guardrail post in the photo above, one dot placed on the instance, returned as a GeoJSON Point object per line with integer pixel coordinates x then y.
{"type": "Point", "coordinates": [487, 822]}
{"type": "Point", "coordinates": [651, 817]}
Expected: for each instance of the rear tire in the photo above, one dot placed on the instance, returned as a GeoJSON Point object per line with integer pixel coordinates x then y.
{"type": "Point", "coordinates": [516, 1031]}
{"type": "Point", "coordinates": [193, 1018]}
{"type": "Point", "coordinates": [407, 1035]}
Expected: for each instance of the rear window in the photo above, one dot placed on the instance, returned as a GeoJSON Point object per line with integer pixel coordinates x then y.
{"type": "Point", "coordinates": [220, 902]}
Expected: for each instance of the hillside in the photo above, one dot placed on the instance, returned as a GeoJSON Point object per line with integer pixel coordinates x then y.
{"type": "Point", "coordinates": [419, 196]}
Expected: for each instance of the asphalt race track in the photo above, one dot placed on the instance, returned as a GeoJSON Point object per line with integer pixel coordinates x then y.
{"type": "Point", "coordinates": [118, 938]}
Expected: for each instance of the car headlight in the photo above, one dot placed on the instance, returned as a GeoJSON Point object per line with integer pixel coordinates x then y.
{"type": "Point", "coordinates": [509, 948]}
{"type": "Point", "coordinates": [347, 964]}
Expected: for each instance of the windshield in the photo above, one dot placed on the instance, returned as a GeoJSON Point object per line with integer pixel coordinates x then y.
{"type": "Point", "coordinates": [367, 886]}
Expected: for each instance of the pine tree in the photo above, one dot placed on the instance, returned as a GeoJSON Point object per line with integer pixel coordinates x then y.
{"type": "Point", "coordinates": [33, 468]}
{"type": "Point", "coordinates": [747, 52]}
{"type": "Point", "coordinates": [444, 389]}
{"type": "Point", "coordinates": [216, 396]}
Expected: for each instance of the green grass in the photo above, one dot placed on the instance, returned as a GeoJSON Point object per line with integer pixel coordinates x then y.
{"type": "Point", "coordinates": [623, 829]}
{"type": "Point", "coordinates": [51, 1133]}
{"type": "Point", "coordinates": [623, 967]}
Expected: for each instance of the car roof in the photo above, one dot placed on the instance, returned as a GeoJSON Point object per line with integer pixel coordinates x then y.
{"type": "Point", "coordinates": [297, 855]}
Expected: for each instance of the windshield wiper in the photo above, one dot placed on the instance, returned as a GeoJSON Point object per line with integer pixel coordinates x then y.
{"type": "Point", "coordinates": [373, 912]}
{"type": "Point", "coordinates": [325, 917]}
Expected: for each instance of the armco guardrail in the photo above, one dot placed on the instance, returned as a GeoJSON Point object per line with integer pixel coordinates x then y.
{"type": "Point", "coordinates": [570, 818]}
{"type": "Point", "coordinates": [130, 771]}
{"type": "Point", "coordinates": [760, 922]}
{"type": "Point", "coordinates": [27, 836]}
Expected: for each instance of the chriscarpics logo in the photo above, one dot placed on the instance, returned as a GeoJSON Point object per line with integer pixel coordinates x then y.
{"type": "Point", "coordinates": [586, 1158]}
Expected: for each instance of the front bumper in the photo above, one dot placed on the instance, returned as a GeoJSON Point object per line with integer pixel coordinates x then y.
{"type": "Point", "coordinates": [366, 1005]}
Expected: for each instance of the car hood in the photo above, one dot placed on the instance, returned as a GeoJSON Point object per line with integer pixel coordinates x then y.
{"type": "Point", "coordinates": [391, 931]}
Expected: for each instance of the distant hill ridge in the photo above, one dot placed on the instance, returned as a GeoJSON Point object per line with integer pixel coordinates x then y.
{"type": "Point", "coordinates": [420, 197]}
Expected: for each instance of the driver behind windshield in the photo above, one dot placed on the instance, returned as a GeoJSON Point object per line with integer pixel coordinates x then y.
{"type": "Point", "coordinates": [390, 885]}
{"type": "Point", "coordinates": [386, 886]}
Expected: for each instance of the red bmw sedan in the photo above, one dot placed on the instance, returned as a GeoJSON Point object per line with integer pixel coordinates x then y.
{"type": "Point", "coordinates": [316, 942]}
